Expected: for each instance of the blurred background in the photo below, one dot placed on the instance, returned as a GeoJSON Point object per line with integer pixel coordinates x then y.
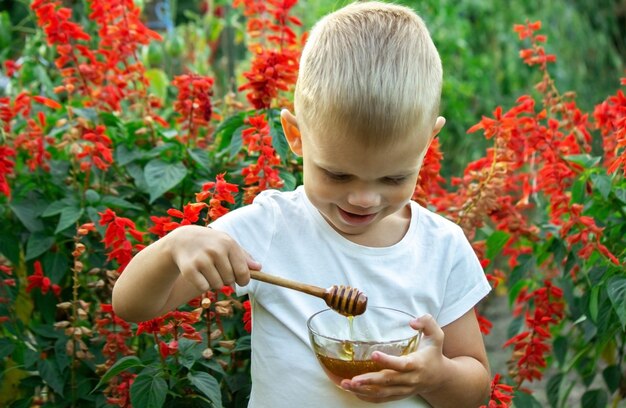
{"type": "Point", "coordinates": [475, 38]}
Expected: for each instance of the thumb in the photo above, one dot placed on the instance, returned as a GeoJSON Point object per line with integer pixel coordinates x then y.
{"type": "Point", "coordinates": [429, 327]}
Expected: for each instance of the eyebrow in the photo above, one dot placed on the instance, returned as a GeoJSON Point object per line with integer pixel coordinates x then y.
{"type": "Point", "coordinates": [404, 173]}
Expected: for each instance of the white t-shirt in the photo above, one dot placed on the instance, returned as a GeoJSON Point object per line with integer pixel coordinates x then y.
{"type": "Point", "coordinates": [433, 269]}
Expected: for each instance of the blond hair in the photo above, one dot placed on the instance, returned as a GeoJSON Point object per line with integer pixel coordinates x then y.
{"type": "Point", "coordinates": [369, 68]}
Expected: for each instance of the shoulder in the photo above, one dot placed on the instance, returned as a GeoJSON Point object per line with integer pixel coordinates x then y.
{"type": "Point", "coordinates": [435, 225]}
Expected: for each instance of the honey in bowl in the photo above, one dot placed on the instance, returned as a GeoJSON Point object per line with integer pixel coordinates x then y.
{"type": "Point", "coordinates": [343, 346]}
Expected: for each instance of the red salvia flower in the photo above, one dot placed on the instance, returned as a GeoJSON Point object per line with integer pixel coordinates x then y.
{"type": "Point", "coordinates": [247, 316]}
{"type": "Point", "coordinates": [610, 118]}
{"type": "Point", "coordinates": [545, 308]}
{"type": "Point", "coordinates": [116, 334]}
{"type": "Point", "coordinates": [120, 248]}
{"type": "Point", "coordinates": [271, 72]}
{"type": "Point", "coordinates": [501, 394]}
{"type": "Point", "coordinates": [217, 192]}
{"type": "Point", "coordinates": [6, 169]}
{"type": "Point", "coordinates": [264, 173]}
{"type": "Point", "coordinates": [96, 149]}
{"type": "Point", "coordinates": [193, 104]}
{"type": "Point", "coordinates": [38, 280]}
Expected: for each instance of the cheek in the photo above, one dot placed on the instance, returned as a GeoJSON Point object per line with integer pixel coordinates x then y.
{"type": "Point", "coordinates": [402, 194]}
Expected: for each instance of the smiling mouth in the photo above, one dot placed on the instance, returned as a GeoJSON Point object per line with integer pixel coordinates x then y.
{"type": "Point", "coordinates": [355, 219]}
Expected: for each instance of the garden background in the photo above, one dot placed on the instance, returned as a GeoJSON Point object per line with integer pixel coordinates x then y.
{"type": "Point", "coordinates": [121, 120]}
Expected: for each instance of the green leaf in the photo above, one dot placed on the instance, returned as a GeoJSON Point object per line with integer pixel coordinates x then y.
{"type": "Point", "coordinates": [57, 207]}
{"type": "Point", "coordinates": [524, 400]}
{"type": "Point", "coordinates": [243, 344]}
{"type": "Point", "coordinates": [201, 157]}
{"type": "Point", "coordinates": [226, 129]}
{"type": "Point", "coordinates": [137, 173]}
{"type": "Point", "coordinates": [593, 303]}
{"type": "Point", "coordinates": [585, 160]}
{"type": "Point", "coordinates": [189, 352]}
{"type": "Point", "coordinates": [620, 193]}
{"type": "Point", "coordinates": [616, 288]}
{"type": "Point", "coordinates": [236, 142]}
{"type": "Point", "coordinates": [579, 189]}
{"type": "Point", "coordinates": [117, 202]}
{"type": "Point", "coordinates": [111, 120]}
{"type": "Point", "coordinates": [602, 183]}
{"type": "Point", "coordinates": [28, 212]}
{"type": "Point", "coordinates": [162, 176]}
{"type": "Point", "coordinates": [158, 82]}
{"type": "Point", "coordinates": [124, 155]}
{"type": "Point", "coordinates": [51, 374]}
{"type": "Point", "coordinates": [553, 389]}
{"type": "Point", "coordinates": [37, 244]}
{"type": "Point", "coordinates": [92, 196]}
{"type": "Point", "coordinates": [69, 216]}
{"type": "Point", "coordinates": [148, 391]}
{"type": "Point", "coordinates": [560, 349]}
{"type": "Point", "coordinates": [207, 385]}
{"type": "Point", "coordinates": [289, 179]}
{"type": "Point", "coordinates": [6, 348]}
{"type": "Point", "coordinates": [612, 377]}
{"type": "Point", "coordinates": [120, 365]}
{"type": "Point", "coordinates": [87, 113]}
{"type": "Point", "coordinates": [279, 141]}
{"type": "Point", "coordinates": [496, 242]}
{"type": "Point", "coordinates": [594, 399]}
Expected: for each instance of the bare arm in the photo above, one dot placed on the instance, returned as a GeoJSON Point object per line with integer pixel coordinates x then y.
{"type": "Point", "coordinates": [465, 374]}
{"type": "Point", "coordinates": [180, 266]}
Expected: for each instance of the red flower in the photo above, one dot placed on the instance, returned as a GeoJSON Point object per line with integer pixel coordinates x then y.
{"type": "Point", "coordinates": [193, 103]}
{"type": "Point", "coordinates": [271, 72]}
{"type": "Point", "coordinates": [247, 316]}
{"type": "Point", "coordinates": [264, 173]}
{"type": "Point", "coordinates": [6, 169]}
{"type": "Point", "coordinates": [38, 280]}
{"type": "Point", "coordinates": [217, 192]}
{"type": "Point", "coordinates": [545, 308]}
{"type": "Point", "coordinates": [96, 149]}
{"type": "Point", "coordinates": [120, 248]}
{"type": "Point", "coordinates": [501, 394]}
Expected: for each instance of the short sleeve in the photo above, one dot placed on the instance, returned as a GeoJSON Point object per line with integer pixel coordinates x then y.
{"type": "Point", "coordinates": [466, 284]}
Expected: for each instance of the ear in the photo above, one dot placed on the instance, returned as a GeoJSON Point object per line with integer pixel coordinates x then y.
{"type": "Point", "coordinates": [292, 132]}
{"type": "Point", "coordinates": [439, 123]}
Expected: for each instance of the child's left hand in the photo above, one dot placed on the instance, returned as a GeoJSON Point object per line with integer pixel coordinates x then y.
{"type": "Point", "coordinates": [405, 376]}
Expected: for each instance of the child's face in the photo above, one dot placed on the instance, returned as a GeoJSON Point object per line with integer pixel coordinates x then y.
{"type": "Point", "coordinates": [361, 192]}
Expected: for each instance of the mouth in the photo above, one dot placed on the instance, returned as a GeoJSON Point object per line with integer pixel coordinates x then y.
{"type": "Point", "coordinates": [355, 219]}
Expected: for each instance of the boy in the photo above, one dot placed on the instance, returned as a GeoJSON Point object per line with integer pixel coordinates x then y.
{"type": "Point", "coordinates": [366, 101]}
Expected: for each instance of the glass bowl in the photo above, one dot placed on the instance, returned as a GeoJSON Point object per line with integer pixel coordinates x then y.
{"type": "Point", "coordinates": [344, 345]}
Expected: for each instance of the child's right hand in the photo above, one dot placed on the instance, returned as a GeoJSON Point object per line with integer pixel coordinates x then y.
{"type": "Point", "coordinates": [207, 258]}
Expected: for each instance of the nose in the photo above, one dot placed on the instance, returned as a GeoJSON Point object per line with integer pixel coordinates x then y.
{"type": "Point", "coordinates": [364, 198]}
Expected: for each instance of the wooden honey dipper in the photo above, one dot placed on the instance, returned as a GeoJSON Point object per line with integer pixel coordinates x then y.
{"type": "Point", "coordinates": [345, 300]}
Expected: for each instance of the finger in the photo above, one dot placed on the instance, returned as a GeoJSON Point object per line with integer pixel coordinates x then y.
{"type": "Point", "coordinates": [429, 327]}
{"type": "Point", "coordinates": [377, 392]}
{"type": "Point", "coordinates": [196, 278]}
{"type": "Point", "coordinates": [224, 269]}
{"type": "Point", "coordinates": [212, 276]}
{"type": "Point", "coordinates": [239, 263]}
